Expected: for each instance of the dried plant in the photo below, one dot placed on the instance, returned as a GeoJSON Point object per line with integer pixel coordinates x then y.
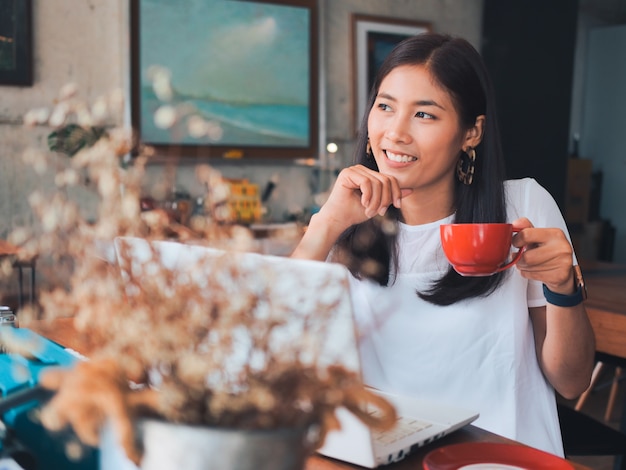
{"type": "Point", "coordinates": [161, 343]}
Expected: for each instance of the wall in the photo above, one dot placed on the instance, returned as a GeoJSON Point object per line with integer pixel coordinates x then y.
{"type": "Point", "coordinates": [604, 121]}
{"type": "Point", "coordinates": [598, 235]}
{"type": "Point", "coordinates": [529, 50]}
{"type": "Point", "coordinates": [81, 42]}
{"type": "Point", "coordinates": [585, 24]}
{"type": "Point", "coordinates": [86, 42]}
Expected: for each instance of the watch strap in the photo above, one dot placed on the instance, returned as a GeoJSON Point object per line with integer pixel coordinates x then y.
{"type": "Point", "coordinates": [562, 300]}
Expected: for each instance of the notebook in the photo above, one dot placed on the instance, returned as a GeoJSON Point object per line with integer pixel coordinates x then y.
{"type": "Point", "coordinates": [302, 286]}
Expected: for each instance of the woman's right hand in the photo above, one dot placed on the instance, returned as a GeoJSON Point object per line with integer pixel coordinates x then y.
{"type": "Point", "coordinates": [360, 194]}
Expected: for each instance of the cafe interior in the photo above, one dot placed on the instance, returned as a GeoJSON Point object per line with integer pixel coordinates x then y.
{"type": "Point", "coordinates": [558, 70]}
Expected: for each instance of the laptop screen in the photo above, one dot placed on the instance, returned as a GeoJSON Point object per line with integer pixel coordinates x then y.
{"type": "Point", "coordinates": [303, 305]}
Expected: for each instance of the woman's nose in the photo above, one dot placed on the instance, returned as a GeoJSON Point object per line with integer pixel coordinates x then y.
{"type": "Point", "coordinates": [398, 130]}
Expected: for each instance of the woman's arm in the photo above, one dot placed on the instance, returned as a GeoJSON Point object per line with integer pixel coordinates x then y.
{"type": "Point", "coordinates": [565, 347]}
{"type": "Point", "coordinates": [564, 338]}
{"type": "Point", "coordinates": [319, 238]}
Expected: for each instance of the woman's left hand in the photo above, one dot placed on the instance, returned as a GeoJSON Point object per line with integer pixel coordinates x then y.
{"type": "Point", "coordinates": [547, 256]}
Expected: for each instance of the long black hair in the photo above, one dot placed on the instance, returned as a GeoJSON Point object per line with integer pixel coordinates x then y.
{"type": "Point", "coordinates": [369, 249]}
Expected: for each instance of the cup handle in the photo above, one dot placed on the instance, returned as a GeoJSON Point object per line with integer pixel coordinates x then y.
{"type": "Point", "coordinates": [515, 259]}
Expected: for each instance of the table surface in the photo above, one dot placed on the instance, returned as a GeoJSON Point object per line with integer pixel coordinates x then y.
{"type": "Point", "coordinates": [7, 248]}
{"type": "Point", "coordinates": [606, 305]}
{"type": "Point", "coordinates": [62, 331]}
{"type": "Point", "coordinates": [606, 285]}
{"type": "Point", "coordinates": [414, 461]}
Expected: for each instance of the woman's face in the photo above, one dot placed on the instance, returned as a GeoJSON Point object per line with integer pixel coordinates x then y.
{"type": "Point", "coordinates": [414, 130]}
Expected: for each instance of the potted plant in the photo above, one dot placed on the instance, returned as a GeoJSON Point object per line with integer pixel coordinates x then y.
{"type": "Point", "coordinates": [159, 354]}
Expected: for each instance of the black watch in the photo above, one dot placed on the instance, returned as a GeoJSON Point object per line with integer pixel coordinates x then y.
{"type": "Point", "coordinates": [571, 300]}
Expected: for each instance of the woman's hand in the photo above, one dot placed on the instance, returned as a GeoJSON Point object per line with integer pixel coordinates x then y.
{"type": "Point", "coordinates": [547, 256]}
{"type": "Point", "coordinates": [360, 194]}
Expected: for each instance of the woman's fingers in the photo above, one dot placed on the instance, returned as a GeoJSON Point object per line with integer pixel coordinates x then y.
{"type": "Point", "coordinates": [360, 194]}
{"type": "Point", "coordinates": [548, 254]}
{"type": "Point", "coordinates": [378, 191]}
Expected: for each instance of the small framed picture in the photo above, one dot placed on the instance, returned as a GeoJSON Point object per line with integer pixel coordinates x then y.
{"type": "Point", "coordinates": [16, 54]}
{"type": "Point", "coordinates": [373, 38]}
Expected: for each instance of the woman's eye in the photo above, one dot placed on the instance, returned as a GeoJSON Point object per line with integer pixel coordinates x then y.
{"type": "Point", "coordinates": [383, 107]}
{"type": "Point", "coordinates": [423, 115]}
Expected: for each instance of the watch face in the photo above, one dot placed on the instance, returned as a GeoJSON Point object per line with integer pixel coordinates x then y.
{"type": "Point", "coordinates": [580, 281]}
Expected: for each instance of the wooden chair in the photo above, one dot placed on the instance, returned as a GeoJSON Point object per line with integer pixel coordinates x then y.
{"type": "Point", "coordinates": [608, 412]}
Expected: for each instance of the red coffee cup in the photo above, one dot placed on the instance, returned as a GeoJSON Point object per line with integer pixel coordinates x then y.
{"type": "Point", "coordinates": [479, 249]}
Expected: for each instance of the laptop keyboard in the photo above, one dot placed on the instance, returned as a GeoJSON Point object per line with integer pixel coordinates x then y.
{"type": "Point", "coordinates": [404, 427]}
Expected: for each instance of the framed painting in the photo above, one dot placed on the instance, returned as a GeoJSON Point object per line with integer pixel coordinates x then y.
{"type": "Point", "coordinates": [16, 55]}
{"type": "Point", "coordinates": [243, 71]}
{"type": "Point", "coordinates": [373, 38]}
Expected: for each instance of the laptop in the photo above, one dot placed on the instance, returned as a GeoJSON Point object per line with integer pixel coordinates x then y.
{"type": "Point", "coordinates": [299, 286]}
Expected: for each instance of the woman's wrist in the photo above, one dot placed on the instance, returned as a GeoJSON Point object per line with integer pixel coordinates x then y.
{"type": "Point", "coordinates": [318, 239]}
{"type": "Point", "coordinates": [563, 300]}
{"type": "Point", "coordinates": [573, 295]}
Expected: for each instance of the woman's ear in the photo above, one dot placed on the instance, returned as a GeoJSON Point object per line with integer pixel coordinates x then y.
{"type": "Point", "coordinates": [474, 134]}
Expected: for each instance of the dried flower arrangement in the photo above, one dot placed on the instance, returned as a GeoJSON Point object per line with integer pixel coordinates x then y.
{"type": "Point", "coordinates": [163, 350]}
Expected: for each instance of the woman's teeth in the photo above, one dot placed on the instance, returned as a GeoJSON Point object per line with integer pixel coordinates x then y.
{"type": "Point", "coordinates": [400, 158]}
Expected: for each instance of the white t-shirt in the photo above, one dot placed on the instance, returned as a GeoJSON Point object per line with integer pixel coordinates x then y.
{"type": "Point", "coordinates": [478, 353]}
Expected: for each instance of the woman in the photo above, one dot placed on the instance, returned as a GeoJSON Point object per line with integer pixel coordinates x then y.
{"type": "Point", "coordinates": [429, 153]}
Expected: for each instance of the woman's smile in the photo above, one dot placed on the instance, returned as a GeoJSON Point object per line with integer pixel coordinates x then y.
{"type": "Point", "coordinates": [399, 157]}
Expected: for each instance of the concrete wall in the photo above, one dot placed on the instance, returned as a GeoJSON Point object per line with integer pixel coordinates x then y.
{"type": "Point", "coordinates": [74, 42]}
{"type": "Point", "coordinates": [86, 42]}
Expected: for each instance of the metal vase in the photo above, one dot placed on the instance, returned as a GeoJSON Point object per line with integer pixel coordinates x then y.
{"type": "Point", "coordinates": [168, 446]}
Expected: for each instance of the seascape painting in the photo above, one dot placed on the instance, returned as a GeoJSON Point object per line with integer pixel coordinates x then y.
{"type": "Point", "coordinates": [244, 65]}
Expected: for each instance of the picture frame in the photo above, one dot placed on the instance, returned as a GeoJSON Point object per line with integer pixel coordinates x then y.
{"type": "Point", "coordinates": [16, 44]}
{"type": "Point", "coordinates": [373, 37]}
{"type": "Point", "coordinates": [248, 66]}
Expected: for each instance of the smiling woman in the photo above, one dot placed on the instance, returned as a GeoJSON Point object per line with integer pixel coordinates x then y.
{"type": "Point", "coordinates": [428, 154]}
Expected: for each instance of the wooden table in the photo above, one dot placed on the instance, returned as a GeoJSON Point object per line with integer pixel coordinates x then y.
{"type": "Point", "coordinates": [62, 331]}
{"type": "Point", "coordinates": [414, 461]}
{"type": "Point", "coordinates": [606, 305]}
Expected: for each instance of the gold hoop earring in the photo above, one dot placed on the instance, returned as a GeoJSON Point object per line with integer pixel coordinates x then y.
{"type": "Point", "coordinates": [466, 166]}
